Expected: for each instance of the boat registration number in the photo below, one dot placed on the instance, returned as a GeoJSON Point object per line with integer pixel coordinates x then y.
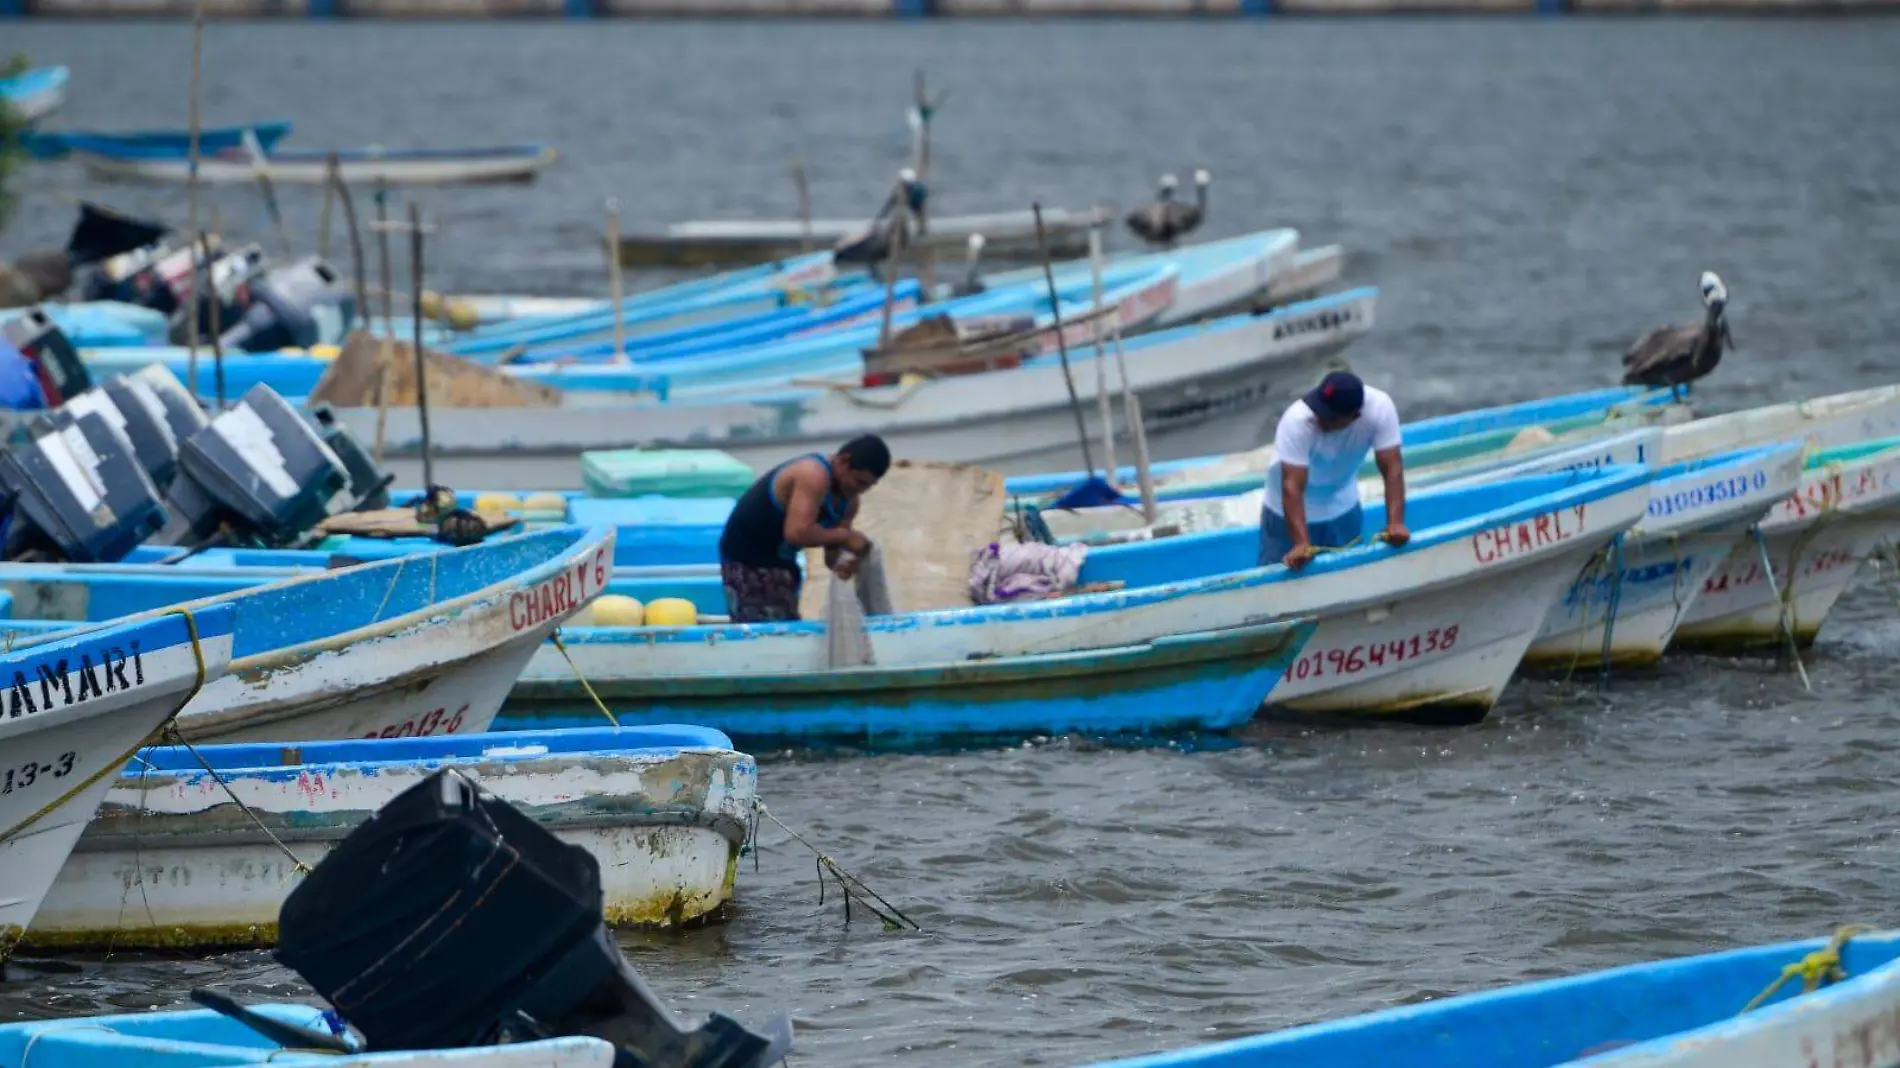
{"type": "Point", "coordinates": [1351, 661]}
{"type": "Point", "coordinates": [430, 722]}
{"type": "Point", "coordinates": [23, 776]}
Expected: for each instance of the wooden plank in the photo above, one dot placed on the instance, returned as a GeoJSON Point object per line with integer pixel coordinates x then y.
{"type": "Point", "coordinates": [402, 523]}
{"type": "Point", "coordinates": [350, 380]}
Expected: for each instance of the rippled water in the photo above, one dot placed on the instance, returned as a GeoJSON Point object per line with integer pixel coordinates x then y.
{"type": "Point", "coordinates": [1528, 194]}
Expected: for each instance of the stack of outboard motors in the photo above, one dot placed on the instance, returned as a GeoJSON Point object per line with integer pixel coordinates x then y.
{"type": "Point", "coordinates": [246, 304]}
{"type": "Point", "coordinates": [450, 919]}
{"type": "Point", "coordinates": [135, 460]}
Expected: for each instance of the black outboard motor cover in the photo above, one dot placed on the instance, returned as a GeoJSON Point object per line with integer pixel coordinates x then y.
{"type": "Point", "coordinates": [83, 489]}
{"type": "Point", "coordinates": [63, 374]}
{"type": "Point", "coordinates": [264, 463]}
{"type": "Point", "coordinates": [450, 919]}
{"type": "Point", "coordinates": [368, 486]}
{"type": "Point", "coordinates": [102, 233]}
{"type": "Point", "coordinates": [297, 306]}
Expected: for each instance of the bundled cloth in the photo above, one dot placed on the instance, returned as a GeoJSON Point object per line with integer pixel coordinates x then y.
{"type": "Point", "coordinates": [1029, 571]}
{"type": "Point", "coordinates": [847, 603]}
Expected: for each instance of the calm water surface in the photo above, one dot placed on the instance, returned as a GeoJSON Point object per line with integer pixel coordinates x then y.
{"type": "Point", "coordinates": [1529, 195]}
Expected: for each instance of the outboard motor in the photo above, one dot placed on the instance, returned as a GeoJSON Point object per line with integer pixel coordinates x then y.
{"type": "Point", "coordinates": [182, 410]}
{"type": "Point", "coordinates": [229, 283]}
{"type": "Point", "coordinates": [132, 406]}
{"type": "Point", "coordinates": [62, 373]}
{"type": "Point", "coordinates": [259, 473]}
{"type": "Point", "coordinates": [450, 919]}
{"type": "Point", "coordinates": [297, 306]}
{"type": "Point", "coordinates": [368, 485]}
{"type": "Point", "coordinates": [115, 278]}
{"type": "Point", "coordinates": [79, 494]}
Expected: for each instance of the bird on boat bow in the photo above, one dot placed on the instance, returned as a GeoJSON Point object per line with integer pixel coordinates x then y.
{"type": "Point", "coordinates": [1675, 356]}
{"type": "Point", "coordinates": [872, 245]}
{"type": "Point", "coordinates": [1167, 219]}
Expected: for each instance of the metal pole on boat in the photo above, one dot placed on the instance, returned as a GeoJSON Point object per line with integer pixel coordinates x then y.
{"type": "Point", "coordinates": [191, 191]}
{"type": "Point", "coordinates": [1107, 415]}
{"type": "Point", "coordinates": [329, 203]}
{"type": "Point", "coordinates": [802, 184]}
{"type": "Point", "coordinates": [260, 170]}
{"type": "Point", "coordinates": [923, 107]}
{"type": "Point", "coordinates": [356, 242]}
{"type": "Point", "coordinates": [614, 280]}
{"type": "Point", "coordinates": [416, 231]}
{"type": "Point", "coordinates": [1137, 429]}
{"type": "Point", "coordinates": [385, 355]}
{"type": "Point", "coordinates": [1062, 343]}
{"type": "Point", "coordinates": [900, 226]}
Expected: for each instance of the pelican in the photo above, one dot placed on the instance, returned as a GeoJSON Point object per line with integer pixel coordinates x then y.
{"type": "Point", "coordinates": [1166, 219]}
{"type": "Point", "coordinates": [972, 283]}
{"type": "Point", "coordinates": [872, 245]}
{"type": "Point", "coordinates": [1675, 356]}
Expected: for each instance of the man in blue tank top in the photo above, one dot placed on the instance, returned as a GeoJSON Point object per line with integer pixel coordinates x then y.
{"type": "Point", "coordinates": [805, 503]}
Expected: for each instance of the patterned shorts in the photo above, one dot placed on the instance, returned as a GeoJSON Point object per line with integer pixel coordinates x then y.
{"type": "Point", "coordinates": [760, 594]}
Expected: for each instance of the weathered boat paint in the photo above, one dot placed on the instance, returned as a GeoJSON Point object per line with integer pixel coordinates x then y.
{"type": "Point", "coordinates": [75, 707]}
{"type": "Point", "coordinates": [170, 862]}
{"type": "Point", "coordinates": [1815, 541]}
{"type": "Point", "coordinates": [1203, 681]}
{"type": "Point", "coordinates": [203, 1037]}
{"type": "Point", "coordinates": [1680, 1013]}
{"type": "Point", "coordinates": [412, 646]}
{"type": "Point", "coordinates": [1194, 583]}
{"type": "Point", "coordinates": [1218, 372]}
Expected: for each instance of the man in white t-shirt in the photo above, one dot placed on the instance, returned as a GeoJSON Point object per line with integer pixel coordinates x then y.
{"type": "Point", "coordinates": [1313, 484]}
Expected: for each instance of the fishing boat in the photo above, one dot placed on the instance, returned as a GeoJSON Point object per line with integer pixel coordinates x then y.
{"type": "Point", "coordinates": [1735, 1009]}
{"type": "Point", "coordinates": [32, 95]}
{"type": "Point", "coordinates": [1432, 631]}
{"type": "Point", "coordinates": [406, 647]}
{"type": "Point", "coordinates": [1220, 372]}
{"type": "Point", "coordinates": [664, 809]}
{"type": "Point", "coordinates": [1207, 681]}
{"type": "Point", "coordinates": [1008, 235]}
{"type": "Point", "coordinates": [150, 144]}
{"type": "Point", "coordinates": [201, 1038]}
{"type": "Point", "coordinates": [79, 705]}
{"type": "Point", "coordinates": [1625, 606]}
{"type": "Point", "coordinates": [414, 166]}
{"type": "Point", "coordinates": [1777, 587]}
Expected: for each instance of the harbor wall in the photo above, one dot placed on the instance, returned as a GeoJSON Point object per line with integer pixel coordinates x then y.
{"type": "Point", "coordinates": [899, 9]}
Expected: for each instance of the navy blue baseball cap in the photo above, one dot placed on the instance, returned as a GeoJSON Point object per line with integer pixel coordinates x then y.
{"type": "Point", "coordinates": [1337, 396]}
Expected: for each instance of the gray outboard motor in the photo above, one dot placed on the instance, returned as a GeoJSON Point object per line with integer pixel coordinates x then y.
{"type": "Point", "coordinates": [449, 919]}
{"type": "Point", "coordinates": [230, 282]}
{"type": "Point", "coordinates": [78, 494]}
{"type": "Point", "coordinates": [368, 485]}
{"type": "Point", "coordinates": [297, 306]}
{"type": "Point", "coordinates": [148, 421]}
{"type": "Point", "coordinates": [259, 473]}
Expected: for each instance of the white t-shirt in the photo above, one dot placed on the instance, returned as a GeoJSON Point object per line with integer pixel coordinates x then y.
{"type": "Point", "coordinates": [1332, 461]}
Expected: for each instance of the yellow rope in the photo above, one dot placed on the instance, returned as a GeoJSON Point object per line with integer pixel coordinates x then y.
{"type": "Point", "coordinates": [113, 766]}
{"type": "Point", "coordinates": [1819, 967]}
{"type": "Point", "coordinates": [555, 637]}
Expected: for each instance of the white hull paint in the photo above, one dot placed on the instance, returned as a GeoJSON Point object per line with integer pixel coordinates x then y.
{"type": "Point", "coordinates": [74, 745]}
{"type": "Point", "coordinates": [396, 170]}
{"type": "Point", "coordinates": [1231, 286]}
{"type": "Point", "coordinates": [170, 862]}
{"type": "Point", "coordinates": [1817, 539]}
{"type": "Point", "coordinates": [1464, 582]}
{"type": "Point", "coordinates": [1007, 420]}
{"type": "Point", "coordinates": [1654, 579]}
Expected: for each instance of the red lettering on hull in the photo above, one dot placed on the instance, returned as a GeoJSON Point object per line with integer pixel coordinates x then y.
{"type": "Point", "coordinates": [1527, 536]}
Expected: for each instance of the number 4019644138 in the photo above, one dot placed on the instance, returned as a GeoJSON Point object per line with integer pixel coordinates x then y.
{"type": "Point", "coordinates": [25, 775]}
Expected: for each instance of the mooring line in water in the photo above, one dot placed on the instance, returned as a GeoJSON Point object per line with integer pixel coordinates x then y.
{"type": "Point", "coordinates": [847, 882]}
{"type": "Point", "coordinates": [555, 637]}
{"type": "Point", "coordinates": [1784, 598]}
{"type": "Point", "coordinates": [296, 862]}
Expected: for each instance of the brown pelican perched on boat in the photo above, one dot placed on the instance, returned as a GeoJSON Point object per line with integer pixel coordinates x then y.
{"type": "Point", "coordinates": [871, 246]}
{"type": "Point", "coordinates": [1166, 219]}
{"type": "Point", "coordinates": [1675, 356]}
{"type": "Point", "coordinates": [972, 283]}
